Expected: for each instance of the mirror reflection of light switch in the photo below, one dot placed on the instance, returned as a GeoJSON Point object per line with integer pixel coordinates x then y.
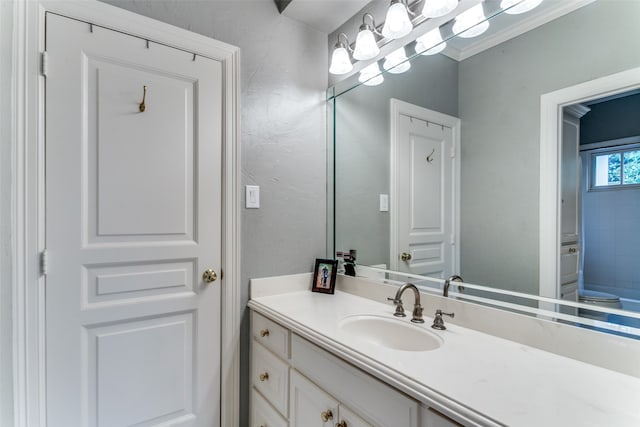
{"type": "Point", "coordinates": [384, 203]}
{"type": "Point", "coordinates": [252, 195]}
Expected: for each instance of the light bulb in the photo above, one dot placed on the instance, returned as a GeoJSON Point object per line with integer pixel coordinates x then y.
{"type": "Point", "coordinates": [366, 46]}
{"type": "Point", "coordinates": [437, 8]}
{"type": "Point", "coordinates": [471, 23]}
{"type": "Point", "coordinates": [519, 6]}
{"type": "Point", "coordinates": [397, 24]}
{"type": "Point", "coordinates": [396, 62]}
{"type": "Point", "coordinates": [340, 62]}
{"type": "Point", "coordinates": [371, 75]}
{"type": "Point", "coordinates": [430, 43]}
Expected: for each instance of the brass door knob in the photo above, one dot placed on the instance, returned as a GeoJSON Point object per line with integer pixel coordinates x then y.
{"type": "Point", "coordinates": [326, 415]}
{"type": "Point", "coordinates": [405, 256]}
{"type": "Point", "coordinates": [264, 376]}
{"type": "Point", "coordinates": [209, 276]}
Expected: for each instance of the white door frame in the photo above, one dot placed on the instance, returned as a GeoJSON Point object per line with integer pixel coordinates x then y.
{"type": "Point", "coordinates": [398, 107]}
{"type": "Point", "coordinates": [551, 105]}
{"type": "Point", "coordinates": [28, 193]}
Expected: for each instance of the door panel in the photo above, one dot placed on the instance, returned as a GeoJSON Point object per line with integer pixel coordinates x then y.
{"type": "Point", "coordinates": [123, 142]}
{"type": "Point", "coordinates": [142, 358]}
{"type": "Point", "coordinates": [133, 218]}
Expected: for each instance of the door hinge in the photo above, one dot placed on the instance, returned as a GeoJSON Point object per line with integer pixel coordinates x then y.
{"type": "Point", "coordinates": [44, 262]}
{"type": "Point", "coordinates": [44, 64]}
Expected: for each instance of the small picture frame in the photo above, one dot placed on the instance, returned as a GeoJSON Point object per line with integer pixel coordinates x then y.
{"type": "Point", "coordinates": [324, 276]}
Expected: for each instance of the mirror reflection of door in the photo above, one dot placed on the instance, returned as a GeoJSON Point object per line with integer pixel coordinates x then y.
{"type": "Point", "coordinates": [423, 191]}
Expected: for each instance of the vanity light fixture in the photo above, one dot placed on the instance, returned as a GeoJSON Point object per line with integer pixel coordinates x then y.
{"type": "Point", "coordinates": [471, 23]}
{"type": "Point", "coordinates": [371, 75]}
{"type": "Point", "coordinates": [340, 61]}
{"type": "Point", "coordinates": [438, 8]}
{"type": "Point", "coordinates": [516, 7]}
{"type": "Point", "coordinates": [430, 43]}
{"type": "Point", "coordinates": [366, 45]}
{"type": "Point", "coordinates": [397, 23]}
{"type": "Point", "coordinates": [396, 62]}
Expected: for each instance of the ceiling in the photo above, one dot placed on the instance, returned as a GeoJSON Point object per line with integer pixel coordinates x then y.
{"type": "Point", "coordinates": [323, 15]}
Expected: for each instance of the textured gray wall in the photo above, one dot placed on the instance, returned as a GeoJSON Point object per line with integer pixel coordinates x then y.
{"type": "Point", "coordinates": [500, 93]}
{"type": "Point", "coordinates": [283, 82]}
{"type": "Point", "coordinates": [362, 149]}
{"type": "Point", "coordinates": [6, 371]}
{"type": "Point", "coordinates": [618, 118]}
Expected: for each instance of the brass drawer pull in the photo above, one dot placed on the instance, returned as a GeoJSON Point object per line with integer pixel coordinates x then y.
{"type": "Point", "coordinates": [572, 250]}
{"type": "Point", "coordinates": [326, 415]}
{"type": "Point", "coordinates": [342, 424]}
{"type": "Point", "coordinates": [264, 376]}
{"type": "Point", "coordinates": [264, 333]}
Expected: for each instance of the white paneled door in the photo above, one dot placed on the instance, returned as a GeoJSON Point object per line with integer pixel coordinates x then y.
{"type": "Point", "coordinates": [425, 202]}
{"type": "Point", "coordinates": [133, 220]}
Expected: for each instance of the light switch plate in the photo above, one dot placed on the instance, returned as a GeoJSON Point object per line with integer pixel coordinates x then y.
{"type": "Point", "coordinates": [384, 203]}
{"type": "Point", "coordinates": [252, 195]}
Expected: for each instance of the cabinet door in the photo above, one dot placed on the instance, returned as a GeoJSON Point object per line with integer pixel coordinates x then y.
{"type": "Point", "coordinates": [348, 419]}
{"type": "Point", "coordinates": [570, 179]}
{"type": "Point", "coordinates": [569, 258]}
{"type": "Point", "coordinates": [433, 418]}
{"type": "Point", "coordinates": [310, 405]}
{"type": "Point", "coordinates": [263, 414]}
{"type": "Point", "coordinates": [569, 292]}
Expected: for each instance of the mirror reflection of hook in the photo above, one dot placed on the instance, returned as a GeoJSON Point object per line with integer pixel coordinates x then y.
{"type": "Point", "coordinates": [430, 156]}
{"type": "Point", "coordinates": [143, 107]}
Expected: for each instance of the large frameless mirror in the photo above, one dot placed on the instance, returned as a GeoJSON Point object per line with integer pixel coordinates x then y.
{"type": "Point", "coordinates": [445, 168]}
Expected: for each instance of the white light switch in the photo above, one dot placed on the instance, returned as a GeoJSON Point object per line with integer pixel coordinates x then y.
{"type": "Point", "coordinates": [384, 203]}
{"type": "Point", "coordinates": [252, 196]}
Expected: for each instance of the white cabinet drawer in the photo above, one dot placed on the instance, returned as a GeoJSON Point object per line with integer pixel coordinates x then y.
{"type": "Point", "coordinates": [270, 334]}
{"type": "Point", "coordinates": [381, 404]}
{"type": "Point", "coordinates": [270, 376]}
{"type": "Point", "coordinates": [263, 414]}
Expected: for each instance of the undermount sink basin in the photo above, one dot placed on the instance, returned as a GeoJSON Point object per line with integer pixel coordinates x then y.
{"type": "Point", "coordinates": [396, 334]}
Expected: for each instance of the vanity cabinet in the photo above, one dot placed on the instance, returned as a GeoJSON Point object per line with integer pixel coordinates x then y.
{"type": "Point", "coordinates": [296, 383]}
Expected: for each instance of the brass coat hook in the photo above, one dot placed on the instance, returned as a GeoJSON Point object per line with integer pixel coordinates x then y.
{"type": "Point", "coordinates": [144, 95]}
{"type": "Point", "coordinates": [430, 156]}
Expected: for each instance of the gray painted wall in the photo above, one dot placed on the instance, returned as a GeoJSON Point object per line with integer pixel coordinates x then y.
{"type": "Point", "coordinates": [615, 119]}
{"type": "Point", "coordinates": [283, 83]}
{"type": "Point", "coordinates": [362, 149]}
{"type": "Point", "coordinates": [499, 102]}
{"type": "Point", "coordinates": [6, 209]}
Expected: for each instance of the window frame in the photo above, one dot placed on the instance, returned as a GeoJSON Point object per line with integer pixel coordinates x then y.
{"type": "Point", "coordinates": [608, 150]}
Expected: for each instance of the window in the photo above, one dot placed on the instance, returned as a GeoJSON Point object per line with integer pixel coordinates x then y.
{"type": "Point", "coordinates": [616, 168]}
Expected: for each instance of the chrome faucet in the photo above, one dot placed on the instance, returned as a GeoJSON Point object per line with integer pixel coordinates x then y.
{"type": "Point", "coordinates": [417, 308]}
{"type": "Point", "coordinates": [447, 283]}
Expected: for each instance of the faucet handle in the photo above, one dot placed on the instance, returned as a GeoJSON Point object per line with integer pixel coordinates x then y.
{"type": "Point", "coordinates": [399, 308]}
{"type": "Point", "coordinates": [438, 321]}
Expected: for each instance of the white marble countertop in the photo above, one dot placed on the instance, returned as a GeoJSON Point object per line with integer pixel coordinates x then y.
{"type": "Point", "coordinates": [485, 379]}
